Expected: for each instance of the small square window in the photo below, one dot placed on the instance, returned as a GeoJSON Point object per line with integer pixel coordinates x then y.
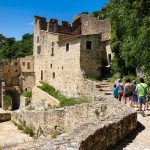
{"type": "Point", "coordinates": [88, 45]}
{"type": "Point", "coordinates": [67, 47]}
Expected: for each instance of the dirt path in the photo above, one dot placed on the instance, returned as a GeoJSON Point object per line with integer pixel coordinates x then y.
{"type": "Point", "coordinates": [9, 135]}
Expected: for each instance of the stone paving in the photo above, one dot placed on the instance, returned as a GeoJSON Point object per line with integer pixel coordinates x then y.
{"type": "Point", "coordinates": [138, 139]}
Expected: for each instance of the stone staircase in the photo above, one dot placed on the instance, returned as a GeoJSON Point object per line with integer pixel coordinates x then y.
{"type": "Point", "coordinates": [105, 88]}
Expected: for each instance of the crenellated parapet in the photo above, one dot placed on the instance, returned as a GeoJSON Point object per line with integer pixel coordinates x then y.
{"type": "Point", "coordinates": [52, 25]}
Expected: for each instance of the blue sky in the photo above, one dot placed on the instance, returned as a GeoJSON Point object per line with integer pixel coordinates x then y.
{"type": "Point", "coordinates": [17, 15]}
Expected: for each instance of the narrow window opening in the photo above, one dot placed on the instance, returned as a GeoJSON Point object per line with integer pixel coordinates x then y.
{"type": "Point", "coordinates": [23, 63]}
{"type": "Point", "coordinates": [51, 65]}
{"type": "Point", "coordinates": [52, 54]}
{"type": "Point", "coordinates": [88, 45]}
{"type": "Point", "coordinates": [38, 49]}
{"type": "Point", "coordinates": [62, 67]}
{"type": "Point", "coordinates": [52, 44]}
{"type": "Point", "coordinates": [28, 65]}
{"type": "Point", "coordinates": [109, 57]}
{"type": "Point", "coordinates": [38, 39]}
{"type": "Point", "coordinates": [41, 74]}
{"type": "Point", "coordinates": [53, 75]}
{"type": "Point", "coordinates": [67, 47]}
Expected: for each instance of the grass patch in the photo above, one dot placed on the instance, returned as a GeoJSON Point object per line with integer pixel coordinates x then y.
{"type": "Point", "coordinates": [27, 94]}
{"type": "Point", "coordinates": [7, 102]}
{"type": "Point", "coordinates": [64, 101]}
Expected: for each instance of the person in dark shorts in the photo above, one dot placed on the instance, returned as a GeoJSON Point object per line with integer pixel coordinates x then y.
{"type": "Point", "coordinates": [128, 91]}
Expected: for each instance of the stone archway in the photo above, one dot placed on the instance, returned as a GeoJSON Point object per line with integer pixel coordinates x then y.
{"type": "Point", "coordinates": [15, 97]}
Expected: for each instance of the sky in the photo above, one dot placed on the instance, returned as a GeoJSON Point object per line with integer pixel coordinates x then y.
{"type": "Point", "coordinates": [16, 16]}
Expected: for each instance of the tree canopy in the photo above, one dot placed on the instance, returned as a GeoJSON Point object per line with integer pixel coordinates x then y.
{"type": "Point", "coordinates": [12, 49]}
{"type": "Point", "coordinates": [130, 39]}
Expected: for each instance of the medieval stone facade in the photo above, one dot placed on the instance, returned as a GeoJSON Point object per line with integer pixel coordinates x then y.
{"type": "Point", "coordinates": [27, 77]}
{"type": "Point", "coordinates": [65, 54]}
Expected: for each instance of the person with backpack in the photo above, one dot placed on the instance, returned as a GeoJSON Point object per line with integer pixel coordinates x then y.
{"type": "Point", "coordinates": [128, 91]}
{"type": "Point", "coordinates": [142, 89]}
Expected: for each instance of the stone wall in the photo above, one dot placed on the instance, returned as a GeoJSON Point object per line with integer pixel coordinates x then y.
{"type": "Point", "coordinates": [39, 96]}
{"type": "Point", "coordinates": [99, 135]}
{"type": "Point", "coordinates": [91, 59]}
{"type": "Point", "coordinates": [90, 25]}
{"type": "Point", "coordinates": [27, 64]}
{"type": "Point", "coordinates": [66, 119]}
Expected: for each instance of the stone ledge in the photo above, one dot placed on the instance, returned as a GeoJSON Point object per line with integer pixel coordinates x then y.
{"type": "Point", "coordinates": [99, 135]}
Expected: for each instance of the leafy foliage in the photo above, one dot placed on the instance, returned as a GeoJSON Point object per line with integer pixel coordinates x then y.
{"type": "Point", "coordinates": [64, 101]}
{"type": "Point", "coordinates": [7, 102]}
{"type": "Point", "coordinates": [130, 38]}
{"type": "Point", "coordinates": [11, 49]}
{"type": "Point", "coordinates": [27, 94]}
{"type": "Point", "coordinates": [102, 14]}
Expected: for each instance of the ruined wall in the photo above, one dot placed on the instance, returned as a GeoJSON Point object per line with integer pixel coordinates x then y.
{"type": "Point", "coordinates": [27, 64]}
{"type": "Point", "coordinates": [91, 59]}
{"type": "Point", "coordinates": [39, 96]}
{"type": "Point", "coordinates": [11, 72]}
{"type": "Point", "coordinates": [83, 121]}
{"type": "Point", "coordinates": [99, 135]}
{"type": "Point", "coordinates": [27, 78]}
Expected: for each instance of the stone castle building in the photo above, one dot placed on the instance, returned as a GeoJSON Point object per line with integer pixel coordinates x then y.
{"type": "Point", "coordinates": [15, 77]}
{"type": "Point", "coordinates": [65, 54]}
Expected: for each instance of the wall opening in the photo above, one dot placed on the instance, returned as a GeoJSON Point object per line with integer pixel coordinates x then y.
{"type": "Point", "coordinates": [67, 47]}
{"type": "Point", "coordinates": [53, 75]}
{"type": "Point", "coordinates": [109, 57]}
{"type": "Point", "coordinates": [41, 74]}
{"type": "Point", "coordinates": [23, 63]}
{"type": "Point", "coordinates": [28, 65]}
{"type": "Point", "coordinates": [15, 97]}
{"type": "Point", "coordinates": [52, 54]}
{"type": "Point", "coordinates": [88, 45]}
{"type": "Point", "coordinates": [51, 65]}
{"type": "Point", "coordinates": [38, 49]}
{"type": "Point", "coordinates": [38, 39]}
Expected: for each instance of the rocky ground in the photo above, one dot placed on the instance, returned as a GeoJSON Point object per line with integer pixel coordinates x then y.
{"type": "Point", "coordinates": [13, 139]}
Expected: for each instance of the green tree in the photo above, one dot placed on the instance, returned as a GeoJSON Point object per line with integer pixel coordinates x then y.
{"type": "Point", "coordinates": [130, 40]}
{"type": "Point", "coordinates": [12, 49]}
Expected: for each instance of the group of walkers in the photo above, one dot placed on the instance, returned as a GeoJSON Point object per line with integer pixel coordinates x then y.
{"type": "Point", "coordinates": [135, 94]}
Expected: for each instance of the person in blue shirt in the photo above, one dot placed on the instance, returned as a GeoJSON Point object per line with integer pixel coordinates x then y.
{"type": "Point", "coordinates": [115, 91]}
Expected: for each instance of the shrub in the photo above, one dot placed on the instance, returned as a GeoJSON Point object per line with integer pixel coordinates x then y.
{"type": "Point", "coordinates": [7, 102]}
{"type": "Point", "coordinates": [64, 101]}
{"type": "Point", "coordinates": [27, 94]}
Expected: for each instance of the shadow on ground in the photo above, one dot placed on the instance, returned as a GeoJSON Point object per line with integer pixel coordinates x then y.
{"type": "Point", "coordinates": [128, 139]}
